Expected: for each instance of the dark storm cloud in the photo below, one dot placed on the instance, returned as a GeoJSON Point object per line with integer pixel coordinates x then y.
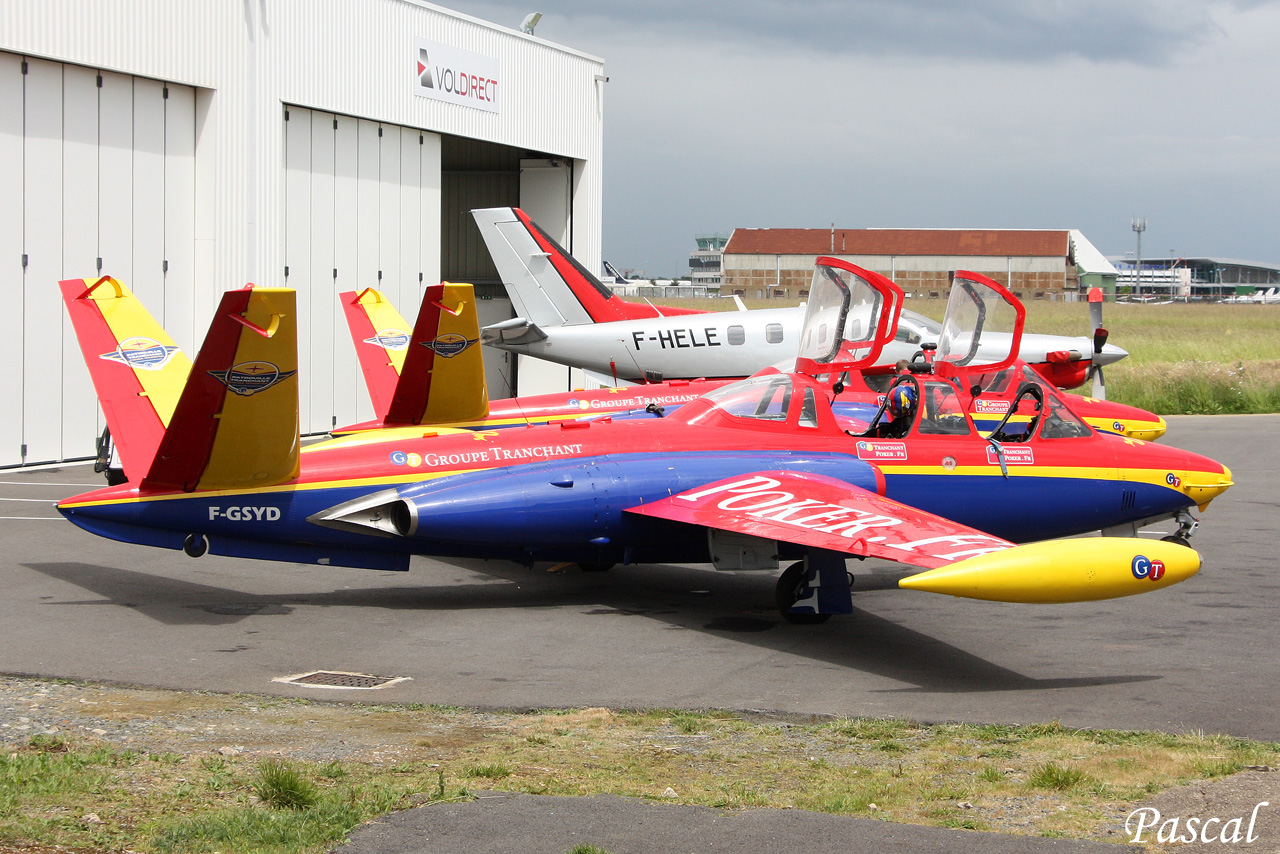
{"type": "Point", "coordinates": [1143, 31]}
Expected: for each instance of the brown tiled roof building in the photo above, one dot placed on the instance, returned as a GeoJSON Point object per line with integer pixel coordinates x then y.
{"type": "Point", "coordinates": [778, 262]}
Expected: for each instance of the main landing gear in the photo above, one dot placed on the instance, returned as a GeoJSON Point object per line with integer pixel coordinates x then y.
{"type": "Point", "coordinates": [791, 587]}
{"type": "Point", "coordinates": [811, 590]}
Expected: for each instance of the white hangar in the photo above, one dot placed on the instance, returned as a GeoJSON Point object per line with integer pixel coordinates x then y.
{"type": "Point", "coordinates": [190, 147]}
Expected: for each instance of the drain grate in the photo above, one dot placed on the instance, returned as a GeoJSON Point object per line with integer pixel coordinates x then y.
{"type": "Point", "coordinates": [340, 679]}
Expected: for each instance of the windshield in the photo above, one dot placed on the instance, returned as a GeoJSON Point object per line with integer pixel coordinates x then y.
{"type": "Point", "coordinates": [763, 398]}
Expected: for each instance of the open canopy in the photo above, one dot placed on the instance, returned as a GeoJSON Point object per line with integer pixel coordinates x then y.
{"type": "Point", "coordinates": [852, 313]}
{"type": "Point", "coordinates": [982, 325]}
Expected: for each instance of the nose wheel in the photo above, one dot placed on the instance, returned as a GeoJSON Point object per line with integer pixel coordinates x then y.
{"type": "Point", "coordinates": [1187, 525]}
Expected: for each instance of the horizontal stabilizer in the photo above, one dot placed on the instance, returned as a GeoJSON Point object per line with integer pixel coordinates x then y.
{"type": "Point", "coordinates": [381, 338]}
{"type": "Point", "coordinates": [236, 424]}
{"type": "Point", "coordinates": [517, 330]}
{"type": "Point", "coordinates": [1054, 571]}
{"type": "Point", "coordinates": [137, 370]}
{"type": "Point", "coordinates": [442, 379]}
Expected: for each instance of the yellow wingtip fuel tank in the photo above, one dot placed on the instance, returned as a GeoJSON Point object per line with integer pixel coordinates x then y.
{"type": "Point", "coordinates": [1055, 571]}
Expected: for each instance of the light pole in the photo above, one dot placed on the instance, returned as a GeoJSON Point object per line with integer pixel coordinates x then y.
{"type": "Point", "coordinates": [1139, 226]}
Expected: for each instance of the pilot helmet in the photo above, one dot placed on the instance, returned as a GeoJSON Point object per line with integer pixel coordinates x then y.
{"type": "Point", "coordinates": [902, 399]}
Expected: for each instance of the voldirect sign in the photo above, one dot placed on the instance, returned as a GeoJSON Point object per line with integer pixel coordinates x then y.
{"type": "Point", "coordinates": [458, 76]}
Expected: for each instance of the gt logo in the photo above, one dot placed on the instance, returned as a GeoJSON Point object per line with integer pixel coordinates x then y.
{"type": "Point", "coordinates": [1143, 567]}
{"type": "Point", "coordinates": [245, 514]}
{"type": "Point", "coordinates": [1172, 479]}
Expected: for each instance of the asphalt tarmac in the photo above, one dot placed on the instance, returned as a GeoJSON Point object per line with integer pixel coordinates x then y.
{"type": "Point", "coordinates": [1198, 656]}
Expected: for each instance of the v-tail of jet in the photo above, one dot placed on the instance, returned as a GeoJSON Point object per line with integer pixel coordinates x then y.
{"type": "Point", "coordinates": [434, 375]}
{"type": "Point", "coordinates": [136, 368]}
{"type": "Point", "coordinates": [228, 421]}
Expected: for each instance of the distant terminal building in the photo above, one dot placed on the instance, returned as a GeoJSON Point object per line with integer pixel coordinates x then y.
{"type": "Point", "coordinates": [1034, 264]}
{"type": "Point", "coordinates": [706, 262]}
{"type": "Point", "coordinates": [1203, 278]}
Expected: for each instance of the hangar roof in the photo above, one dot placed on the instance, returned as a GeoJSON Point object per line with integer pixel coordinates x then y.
{"type": "Point", "coordinates": [899, 241]}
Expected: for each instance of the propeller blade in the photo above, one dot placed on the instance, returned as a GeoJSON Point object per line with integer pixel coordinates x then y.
{"type": "Point", "coordinates": [1099, 391]}
{"type": "Point", "coordinates": [1095, 307]}
{"type": "Point", "coordinates": [1096, 297]}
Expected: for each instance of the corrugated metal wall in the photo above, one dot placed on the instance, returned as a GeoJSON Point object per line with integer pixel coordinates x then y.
{"type": "Point", "coordinates": [97, 174]}
{"type": "Point", "coordinates": [244, 62]}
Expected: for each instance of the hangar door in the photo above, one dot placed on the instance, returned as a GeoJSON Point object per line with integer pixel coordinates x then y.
{"type": "Point", "coordinates": [362, 209]}
{"type": "Point", "coordinates": [97, 176]}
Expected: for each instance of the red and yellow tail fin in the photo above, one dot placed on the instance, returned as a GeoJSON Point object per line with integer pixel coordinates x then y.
{"type": "Point", "coordinates": [236, 424]}
{"type": "Point", "coordinates": [137, 370]}
{"type": "Point", "coordinates": [381, 338]}
{"type": "Point", "coordinates": [442, 379]}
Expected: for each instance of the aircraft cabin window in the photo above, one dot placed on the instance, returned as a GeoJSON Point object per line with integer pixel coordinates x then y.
{"type": "Point", "coordinates": [906, 334]}
{"type": "Point", "coordinates": [737, 335]}
{"type": "Point", "coordinates": [773, 333]}
{"type": "Point", "coordinates": [809, 409]}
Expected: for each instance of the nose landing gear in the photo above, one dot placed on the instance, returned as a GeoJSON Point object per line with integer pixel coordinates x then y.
{"type": "Point", "coordinates": [1187, 525]}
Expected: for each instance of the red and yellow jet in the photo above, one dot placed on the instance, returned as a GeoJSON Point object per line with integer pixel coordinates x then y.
{"type": "Point", "coordinates": [752, 471]}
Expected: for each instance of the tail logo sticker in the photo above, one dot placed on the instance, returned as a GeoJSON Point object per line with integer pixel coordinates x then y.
{"type": "Point", "coordinates": [144, 354]}
{"type": "Point", "coordinates": [249, 378]}
{"type": "Point", "coordinates": [450, 344]}
{"type": "Point", "coordinates": [390, 339]}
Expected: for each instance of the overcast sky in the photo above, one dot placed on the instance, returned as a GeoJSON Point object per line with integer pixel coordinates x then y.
{"type": "Point", "coordinates": [932, 113]}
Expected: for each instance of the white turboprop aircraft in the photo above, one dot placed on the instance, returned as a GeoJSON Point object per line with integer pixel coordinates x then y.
{"type": "Point", "coordinates": [565, 315]}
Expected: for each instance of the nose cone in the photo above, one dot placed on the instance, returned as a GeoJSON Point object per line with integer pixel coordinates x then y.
{"type": "Point", "coordinates": [1110, 355]}
{"type": "Point", "coordinates": [1204, 486]}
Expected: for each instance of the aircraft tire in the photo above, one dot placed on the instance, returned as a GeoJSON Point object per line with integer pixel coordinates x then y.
{"type": "Point", "coordinates": [785, 595]}
{"type": "Point", "coordinates": [1176, 538]}
{"type": "Point", "coordinates": [195, 545]}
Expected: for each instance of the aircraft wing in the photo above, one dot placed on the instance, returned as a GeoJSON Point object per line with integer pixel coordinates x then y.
{"type": "Point", "coordinates": [820, 511]}
{"type": "Point", "coordinates": [825, 513]}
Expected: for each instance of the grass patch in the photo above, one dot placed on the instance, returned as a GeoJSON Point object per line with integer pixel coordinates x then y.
{"type": "Point", "coordinates": [493, 771]}
{"type": "Point", "coordinates": [1051, 775]}
{"type": "Point", "coordinates": [1043, 779]}
{"type": "Point", "coordinates": [281, 786]}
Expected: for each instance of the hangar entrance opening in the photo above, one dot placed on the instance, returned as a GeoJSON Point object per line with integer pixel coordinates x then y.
{"type": "Point", "coordinates": [477, 174]}
{"type": "Point", "coordinates": [370, 204]}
